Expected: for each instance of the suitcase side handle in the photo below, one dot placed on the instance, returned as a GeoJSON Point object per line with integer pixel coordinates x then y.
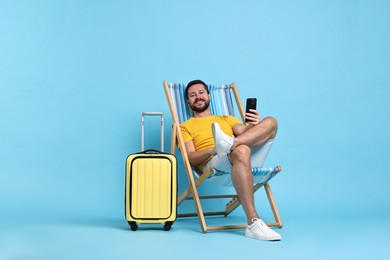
{"type": "Point", "coordinates": [151, 151]}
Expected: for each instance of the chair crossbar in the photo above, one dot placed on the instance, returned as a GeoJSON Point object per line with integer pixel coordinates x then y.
{"type": "Point", "coordinates": [206, 214]}
{"type": "Point", "coordinates": [214, 197]}
{"type": "Point", "coordinates": [225, 227]}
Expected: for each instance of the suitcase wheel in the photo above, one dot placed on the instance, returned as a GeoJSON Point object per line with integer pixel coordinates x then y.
{"type": "Point", "coordinates": [133, 225]}
{"type": "Point", "coordinates": [168, 225]}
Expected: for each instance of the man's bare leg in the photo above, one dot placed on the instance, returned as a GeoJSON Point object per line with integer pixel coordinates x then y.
{"type": "Point", "coordinates": [242, 180]}
{"type": "Point", "coordinates": [258, 134]}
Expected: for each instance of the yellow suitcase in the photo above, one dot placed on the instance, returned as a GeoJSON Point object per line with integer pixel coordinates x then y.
{"type": "Point", "coordinates": [151, 186]}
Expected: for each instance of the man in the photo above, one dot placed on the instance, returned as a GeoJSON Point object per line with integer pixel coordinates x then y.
{"type": "Point", "coordinates": [223, 142]}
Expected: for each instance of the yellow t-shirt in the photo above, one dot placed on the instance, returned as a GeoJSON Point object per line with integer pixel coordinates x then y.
{"type": "Point", "coordinates": [199, 130]}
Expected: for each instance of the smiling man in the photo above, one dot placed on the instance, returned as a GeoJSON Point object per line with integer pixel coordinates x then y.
{"type": "Point", "coordinates": [225, 143]}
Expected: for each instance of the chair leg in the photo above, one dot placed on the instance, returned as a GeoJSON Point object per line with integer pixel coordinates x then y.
{"type": "Point", "coordinates": [273, 206]}
{"type": "Point", "coordinates": [192, 189]}
{"type": "Point", "coordinates": [199, 209]}
{"type": "Point", "coordinates": [173, 139]}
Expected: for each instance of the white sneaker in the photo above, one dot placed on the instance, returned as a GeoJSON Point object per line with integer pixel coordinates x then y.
{"type": "Point", "coordinates": [223, 142]}
{"type": "Point", "coordinates": [259, 230]}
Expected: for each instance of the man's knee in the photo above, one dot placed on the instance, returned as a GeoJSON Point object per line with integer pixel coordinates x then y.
{"type": "Point", "coordinates": [241, 154]}
{"type": "Point", "coordinates": [271, 121]}
{"type": "Point", "coordinates": [272, 124]}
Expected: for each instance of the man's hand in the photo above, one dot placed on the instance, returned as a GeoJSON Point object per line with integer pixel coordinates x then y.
{"type": "Point", "coordinates": [198, 157]}
{"type": "Point", "coordinates": [212, 151]}
{"type": "Point", "coordinates": [253, 117]}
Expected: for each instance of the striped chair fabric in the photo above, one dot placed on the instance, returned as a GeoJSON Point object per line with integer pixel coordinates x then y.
{"type": "Point", "coordinates": [221, 103]}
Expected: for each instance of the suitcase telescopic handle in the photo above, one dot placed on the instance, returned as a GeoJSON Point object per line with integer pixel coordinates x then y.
{"type": "Point", "coordinates": [143, 128]}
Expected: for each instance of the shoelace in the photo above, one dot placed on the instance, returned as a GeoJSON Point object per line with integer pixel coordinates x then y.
{"type": "Point", "coordinates": [257, 221]}
{"type": "Point", "coordinates": [264, 226]}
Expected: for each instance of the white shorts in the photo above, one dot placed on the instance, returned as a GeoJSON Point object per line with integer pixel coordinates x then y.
{"type": "Point", "coordinates": [258, 156]}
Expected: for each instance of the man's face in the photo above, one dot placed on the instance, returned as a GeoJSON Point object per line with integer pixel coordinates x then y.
{"type": "Point", "coordinates": [198, 98]}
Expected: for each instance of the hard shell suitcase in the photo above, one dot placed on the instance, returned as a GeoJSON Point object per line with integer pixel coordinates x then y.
{"type": "Point", "coordinates": [151, 184]}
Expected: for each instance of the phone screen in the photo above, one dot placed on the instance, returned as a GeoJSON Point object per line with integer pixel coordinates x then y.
{"type": "Point", "coordinates": [250, 104]}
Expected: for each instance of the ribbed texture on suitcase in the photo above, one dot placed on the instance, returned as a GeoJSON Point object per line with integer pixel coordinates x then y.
{"type": "Point", "coordinates": [151, 188]}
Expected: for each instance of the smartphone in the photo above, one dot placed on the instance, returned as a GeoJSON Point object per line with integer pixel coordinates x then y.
{"type": "Point", "coordinates": [250, 104]}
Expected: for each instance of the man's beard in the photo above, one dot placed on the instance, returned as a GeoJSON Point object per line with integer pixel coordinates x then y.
{"type": "Point", "coordinates": [202, 108]}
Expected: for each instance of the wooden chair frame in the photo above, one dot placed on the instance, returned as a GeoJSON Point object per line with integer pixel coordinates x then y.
{"type": "Point", "coordinates": [176, 138]}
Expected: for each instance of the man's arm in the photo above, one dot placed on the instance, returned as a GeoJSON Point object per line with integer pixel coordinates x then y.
{"type": "Point", "coordinates": [238, 129]}
{"type": "Point", "coordinates": [197, 157]}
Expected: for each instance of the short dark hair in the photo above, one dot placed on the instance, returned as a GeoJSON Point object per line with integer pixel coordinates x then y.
{"type": "Point", "coordinates": [194, 82]}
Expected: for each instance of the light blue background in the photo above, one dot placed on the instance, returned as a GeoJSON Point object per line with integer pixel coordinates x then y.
{"type": "Point", "coordinates": [75, 77]}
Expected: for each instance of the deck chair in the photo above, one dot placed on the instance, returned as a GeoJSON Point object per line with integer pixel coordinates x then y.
{"type": "Point", "coordinates": [221, 103]}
